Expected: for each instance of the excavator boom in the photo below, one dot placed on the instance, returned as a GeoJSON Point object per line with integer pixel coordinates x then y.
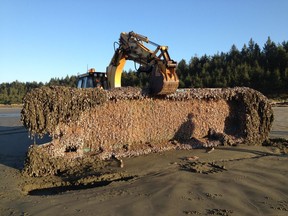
{"type": "Point", "coordinates": [162, 69]}
{"type": "Point", "coordinates": [90, 127]}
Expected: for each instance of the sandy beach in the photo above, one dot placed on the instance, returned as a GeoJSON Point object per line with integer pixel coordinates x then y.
{"type": "Point", "coordinates": [241, 180]}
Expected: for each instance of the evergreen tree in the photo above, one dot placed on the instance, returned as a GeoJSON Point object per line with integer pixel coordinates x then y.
{"type": "Point", "coordinates": [265, 70]}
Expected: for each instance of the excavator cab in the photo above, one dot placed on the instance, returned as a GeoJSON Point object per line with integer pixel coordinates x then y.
{"type": "Point", "coordinates": [92, 79]}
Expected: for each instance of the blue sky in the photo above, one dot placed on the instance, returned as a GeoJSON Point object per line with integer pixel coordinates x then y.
{"type": "Point", "coordinates": [41, 39]}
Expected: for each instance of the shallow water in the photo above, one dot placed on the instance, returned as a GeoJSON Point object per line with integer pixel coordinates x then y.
{"type": "Point", "coordinates": [10, 115]}
{"type": "Point", "coordinates": [280, 123]}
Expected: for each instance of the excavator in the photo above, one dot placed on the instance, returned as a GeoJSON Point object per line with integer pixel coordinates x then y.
{"type": "Point", "coordinates": [89, 125]}
{"type": "Point", "coordinates": [161, 68]}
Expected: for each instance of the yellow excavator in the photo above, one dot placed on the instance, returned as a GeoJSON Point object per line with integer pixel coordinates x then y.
{"type": "Point", "coordinates": [161, 68]}
{"type": "Point", "coordinates": [88, 124]}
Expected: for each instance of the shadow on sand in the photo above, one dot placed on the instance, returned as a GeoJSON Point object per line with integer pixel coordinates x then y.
{"type": "Point", "coordinates": [252, 151]}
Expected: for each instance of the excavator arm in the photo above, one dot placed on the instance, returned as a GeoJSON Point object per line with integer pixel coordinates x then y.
{"type": "Point", "coordinates": [162, 69]}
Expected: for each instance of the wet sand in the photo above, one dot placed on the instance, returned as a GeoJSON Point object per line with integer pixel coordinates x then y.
{"type": "Point", "coordinates": [243, 180]}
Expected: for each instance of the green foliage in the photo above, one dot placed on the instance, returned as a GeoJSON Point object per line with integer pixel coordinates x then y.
{"type": "Point", "coordinates": [132, 78]}
{"type": "Point", "coordinates": [265, 70]}
{"type": "Point", "coordinates": [13, 93]}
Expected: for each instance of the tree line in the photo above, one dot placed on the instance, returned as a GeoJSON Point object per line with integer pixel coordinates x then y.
{"type": "Point", "coordinates": [13, 93]}
{"type": "Point", "coordinates": [265, 70]}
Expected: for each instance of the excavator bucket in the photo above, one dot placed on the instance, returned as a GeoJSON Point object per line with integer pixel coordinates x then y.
{"type": "Point", "coordinates": [163, 83]}
{"type": "Point", "coordinates": [125, 122]}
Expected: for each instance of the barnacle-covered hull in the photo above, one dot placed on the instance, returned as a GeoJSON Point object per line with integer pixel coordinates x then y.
{"type": "Point", "coordinates": [127, 122]}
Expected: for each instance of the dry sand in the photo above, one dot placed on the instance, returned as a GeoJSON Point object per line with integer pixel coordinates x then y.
{"type": "Point", "coordinates": [243, 180]}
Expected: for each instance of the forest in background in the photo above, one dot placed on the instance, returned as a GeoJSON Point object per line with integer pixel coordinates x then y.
{"type": "Point", "coordinates": [265, 70]}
